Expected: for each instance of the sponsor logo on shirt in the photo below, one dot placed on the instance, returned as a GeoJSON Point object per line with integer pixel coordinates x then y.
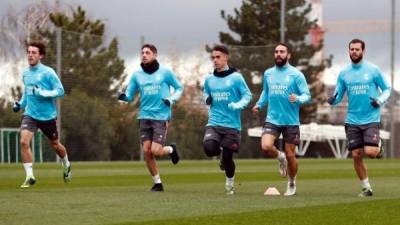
{"type": "Point", "coordinates": [220, 96]}
{"type": "Point", "coordinates": [152, 89]}
{"type": "Point", "coordinates": [278, 89]}
{"type": "Point", "coordinates": [360, 89]}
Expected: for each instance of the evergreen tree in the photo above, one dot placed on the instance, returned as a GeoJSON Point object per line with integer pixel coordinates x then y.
{"type": "Point", "coordinates": [91, 71]}
{"type": "Point", "coordinates": [257, 23]}
{"type": "Point", "coordinates": [254, 32]}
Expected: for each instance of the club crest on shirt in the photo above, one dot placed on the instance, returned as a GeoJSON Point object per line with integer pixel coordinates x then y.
{"type": "Point", "coordinates": [228, 83]}
{"type": "Point", "coordinates": [158, 77]}
{"type": "Point", "coordinates": [366, 76]}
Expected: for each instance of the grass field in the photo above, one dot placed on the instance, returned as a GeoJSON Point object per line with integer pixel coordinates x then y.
{"type": "Point", "coordinates": [116, 193]}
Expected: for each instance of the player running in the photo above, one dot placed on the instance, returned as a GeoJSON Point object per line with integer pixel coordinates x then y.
{"type": "Point", "coordinates": [153, 83]}
{"type": "Point", "coordinates": [226, 92]}
{"type": "Point", "coordinates": [285, 90]}
{"type": "Point", "coordinates": [367, 90]}
{"type": "Point", "coordinates": [41, 88]}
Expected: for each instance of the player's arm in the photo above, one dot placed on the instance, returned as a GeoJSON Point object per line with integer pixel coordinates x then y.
{"type": "Point", "coordinates": [57, 90]}
{"type": "Point", "coordinates": [21, 104]}
{"type": "Point", "coordinates": [338, 94]}
{"type": "Point", "coordinates": [302, 86]}
{"type": "Point", "coordinates": [384, 86]}
{"type": "Point", "coordinates": [207, 93]}
{"type": "Point", "coordinates": [128, 95]}
{"type": "Point", "coordinates": [244, 93]}
{"type": "Point", "coordinates": [178, 89]}
{"type": "Point", "coordinates": [264, 95]}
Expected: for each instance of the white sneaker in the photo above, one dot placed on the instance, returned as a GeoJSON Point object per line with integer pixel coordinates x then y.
{"type": "Point", "coordinates": [283, 167]}
{"type": "Point", "coordinates": [229, 189]}
{"type": "Point", "coordinates": [29, 181]}
{"type": "Point", "coordinates": [290, 190]}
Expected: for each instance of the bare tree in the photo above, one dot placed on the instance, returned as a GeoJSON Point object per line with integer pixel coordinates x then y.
{"type": "Point", "coordinates": [17, 28]}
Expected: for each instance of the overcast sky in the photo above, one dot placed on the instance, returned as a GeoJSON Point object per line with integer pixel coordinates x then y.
{"type": "Point", "coordinates": [190, 24]}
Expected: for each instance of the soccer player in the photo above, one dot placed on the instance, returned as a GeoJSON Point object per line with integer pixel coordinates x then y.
{"type": "Point", "coordinates": [285, 89]}
{"type": "Point", "coordinates": [41, 88]}
{"type": "Point", "coordinates": [154, 82]}
{"type": "Point", "coordinates": [226, 92]}
{"type": "Point", "coordinates": [367, 90]}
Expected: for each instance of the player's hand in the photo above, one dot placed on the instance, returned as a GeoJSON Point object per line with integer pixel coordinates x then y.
{"type": "Point", "coordinates": [167, 102]}
{"type": "Point", "coordinates": [255, 109]}
{"type": "Point", "coordinates": [332, 99]}
{"type": "Point", "coordinates": [209, 100]}
{"type": "Point", "coordinates": [16, 107]}
{"type": "Point", "coordinates": [292, 98]}
{"type": "Point", "coordinates": [123, 97]}
{"type": "Point", "coordinates": [374, 102]}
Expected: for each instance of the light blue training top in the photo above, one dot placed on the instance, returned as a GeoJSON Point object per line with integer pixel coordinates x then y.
{"type": "Point", "coordinates": [153, 88]}
{"type": "Point", "coordinates": [41, 88]}
{"type": "Point", "coordinates": [278, 84]}
{"type": "Point", "coordinates": [362, 81]}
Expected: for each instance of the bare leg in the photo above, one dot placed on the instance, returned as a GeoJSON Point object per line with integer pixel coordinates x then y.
{"type": "Point", "coordinates": [359, 164]}
{"type": "Point", "coordinates": [267, 145]}
{"type": "Point", "coordinates": [26, 137]}
{"type": "Point", "coordinates": [58, 148]}
{"type": "Point", "coordinates": [149, 158]}
{"type": "Point", "coordinates": [290, 150]}
{"type": "Point", "coordinates": [371, 151]}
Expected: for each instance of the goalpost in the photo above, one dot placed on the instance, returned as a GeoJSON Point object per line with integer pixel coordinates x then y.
{"type": "Point", "coordinates": [10, 148]}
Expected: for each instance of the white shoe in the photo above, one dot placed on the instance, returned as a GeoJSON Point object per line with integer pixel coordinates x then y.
{"type": "Point", "coordinates": [229, 189]}
{"type": "Point", "coordinates": [290, 190]}
{"type": "Point", "coordinates": [283, 167]}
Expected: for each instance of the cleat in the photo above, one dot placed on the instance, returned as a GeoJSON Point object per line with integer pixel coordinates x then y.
{"type": "Point", "coordinates": [157, 187]}
{"type": "Point", "coordinates": [366, 192]}
{"type": "Point", "coordinates": [174, 155]}
{"type": "Point", "coordinates": [29, 181]}
{"type": "Point", "coordinates": [229, 190]}
{"type": "Point", "coordinates": [67, 174]}
{"type": "Point", "coordinates": [381, 153]}
{"type": "Point", "coordinates": [283, 167]}
{"type": "Point", "coordinates": [221, 164]}
{"type": "Point", "coordinates": [290, 190]}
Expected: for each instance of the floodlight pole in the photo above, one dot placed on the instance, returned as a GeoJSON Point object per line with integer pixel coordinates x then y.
{"type": "Point", "coordinates": [283, 3]}
{"type": "Point", "coordinates": [59, 71]}
{"type": "Point", "coordinates": [392, 58]}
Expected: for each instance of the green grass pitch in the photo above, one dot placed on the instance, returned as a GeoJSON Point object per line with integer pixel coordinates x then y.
{"type": "Point", "coordinates": [117, 193]}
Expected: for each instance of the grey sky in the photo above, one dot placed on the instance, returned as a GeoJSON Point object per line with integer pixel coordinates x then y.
{"type": "Point", "coordinates": [193, 23]}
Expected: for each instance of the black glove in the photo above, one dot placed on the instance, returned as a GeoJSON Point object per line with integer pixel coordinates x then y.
{"type": "Point", "coordinates": [374, 102]}
{"type": "Point", "coordinates": [16, 107]}
{"type": "Point", "coordinates": [209, 100]}
{"type": "Point", "coordinates": [122, 97]}
{"type": "Point", "coordinates": [332, 99]}
{"type": "Point", "coordinates": [166, 102]}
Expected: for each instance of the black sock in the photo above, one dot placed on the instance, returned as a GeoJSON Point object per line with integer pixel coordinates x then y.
{"type": "Point", "coordinates": [229, 164]}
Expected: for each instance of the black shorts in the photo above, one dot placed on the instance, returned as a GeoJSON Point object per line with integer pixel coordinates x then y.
{"type": "Point", "coordinates": [48, 127]}
{"type": "Point", "coordinates": [226, 137]}
{"type": "Point", "coordinates": [290, 133]}
{"type": "Point", "coordinates": [359, 136]}
{"type": "Point", "coordinates": [153, 130]}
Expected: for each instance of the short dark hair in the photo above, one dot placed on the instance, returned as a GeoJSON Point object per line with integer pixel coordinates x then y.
{"type": "Point", "coordinates": [151, 47]}
{"type": "Point", "coordinates": [221, 48]}
{"type": "Point", "coordinates": [355, 41]}
{"type": "Point", "coordinates": [289, 50]}
{"type": "Point", "coordinates": [39, 45]}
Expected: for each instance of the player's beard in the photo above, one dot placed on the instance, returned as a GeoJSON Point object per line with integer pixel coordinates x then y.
{"type": "Point", "coordinates": [356, 59]}
{"type": "Point", "coordinates": [280, 61]}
